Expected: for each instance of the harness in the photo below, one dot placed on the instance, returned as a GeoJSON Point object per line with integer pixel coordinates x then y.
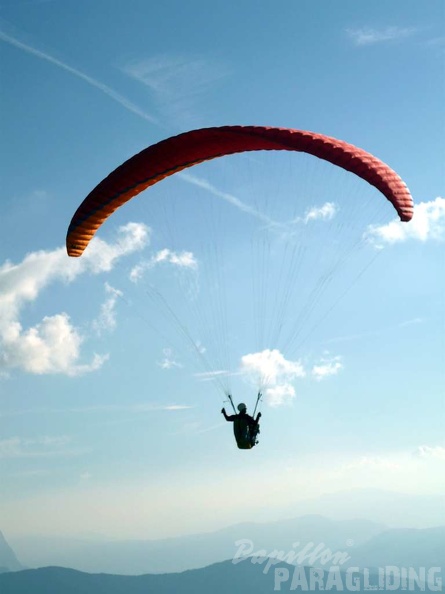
{"type": "Point", "coordinates": [245, 434]}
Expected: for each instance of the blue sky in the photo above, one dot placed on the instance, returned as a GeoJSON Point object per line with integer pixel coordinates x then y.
{"type": "Point", "coordinates": [105, 415]}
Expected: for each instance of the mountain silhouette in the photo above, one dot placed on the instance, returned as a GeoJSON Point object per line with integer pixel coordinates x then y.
{"type": "Point", "coordinates": [8, 560]}
{"type": "Point", "coordinates": [220, 578]}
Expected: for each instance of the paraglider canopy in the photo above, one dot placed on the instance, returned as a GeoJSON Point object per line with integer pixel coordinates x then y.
{"type": "Point", "coordinates": [190, 148]}
{"type": "Point", "coordinates": [284, 249]}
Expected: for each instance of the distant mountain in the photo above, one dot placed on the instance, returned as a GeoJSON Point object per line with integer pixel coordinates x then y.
{"type": "Point", "coordinates": [366, 544]}
{"type": "Point", "coordinates": [8, 560]}
{"type": "Point", "coordinates": [194, 551]}
{"type": "Point", "coordinates": [402, 548]}
{"type": "Point", "coordinates": [221, 578]}
{"type": "Point", "coordinates": [396, 510]}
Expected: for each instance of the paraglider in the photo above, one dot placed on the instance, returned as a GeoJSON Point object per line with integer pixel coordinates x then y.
{"type": "Point", "coordinates": [245, 427]}
{"type": "Point", "coordinates": [177, 153]}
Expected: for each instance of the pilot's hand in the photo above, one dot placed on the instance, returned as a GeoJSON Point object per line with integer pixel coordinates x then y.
{"type": "Point", "coordinates": [223, 410]}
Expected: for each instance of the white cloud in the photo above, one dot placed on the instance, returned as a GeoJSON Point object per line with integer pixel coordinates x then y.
{"type": "Point", "coordinates": [168, 75]}
{"type": "Point", "coordinates": [210, 375]}
{"type": "Point", "coordinates": [177, 82]}
{"type": "Point", "coordinates": [437, 452]}
{"type": "Point", "coordinates": [271, 370]}
{"type": "Point", "coordinates": [396, 467]}
{"type": "Point", "coordinates": [53, 344]}
{"type": "Point", "coordinates": [136, 408]}
{"type": "Point", "coordinates": [328, 366]}
{"type": "Point", "coordinates": [280, 395]}
{"type": "Point", "coordinates": [101, 256]}
{"type": "Point", "coordinates": [324, 213]}
{"type": "Point", "coordinates": [107, 316]}
{"type": "Point", "coordinates": [369, 36]}
{"type": "Point", "coordinates": [428, 223]}
{"type": "Point", "coordinates": [132, 408]}
{"type": "Point", "coordinates": [174, 407]}
{"type": "Point", "coordinates": [180, 259]}
{"type": "Point", "coordinates": [270, 366]}
{"type": "Point", "coordinates": [277, 375]}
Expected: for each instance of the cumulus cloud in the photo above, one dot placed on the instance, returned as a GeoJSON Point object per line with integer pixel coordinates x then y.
{"type": "Point", "coordinates": [280, 394]}
{"type": "Point", "coordinates": [428, 223]}
{"type": "Point", "coordinates": [269, 368]}
{"type": "Point", "coordinates": [328, 366]}
{"type": "Point", "coordinates": [368, 36]}
{"type": "Point", "coordinates": [182, 259]}
{"type": "Point", "coordinates": [270, 365]}
{"type": "Point", "coordinates": [53, 344]}
{"type": "Point", "coordinates": [326, 212]}
{"type": "Point", "coordinates": [277, 375]}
